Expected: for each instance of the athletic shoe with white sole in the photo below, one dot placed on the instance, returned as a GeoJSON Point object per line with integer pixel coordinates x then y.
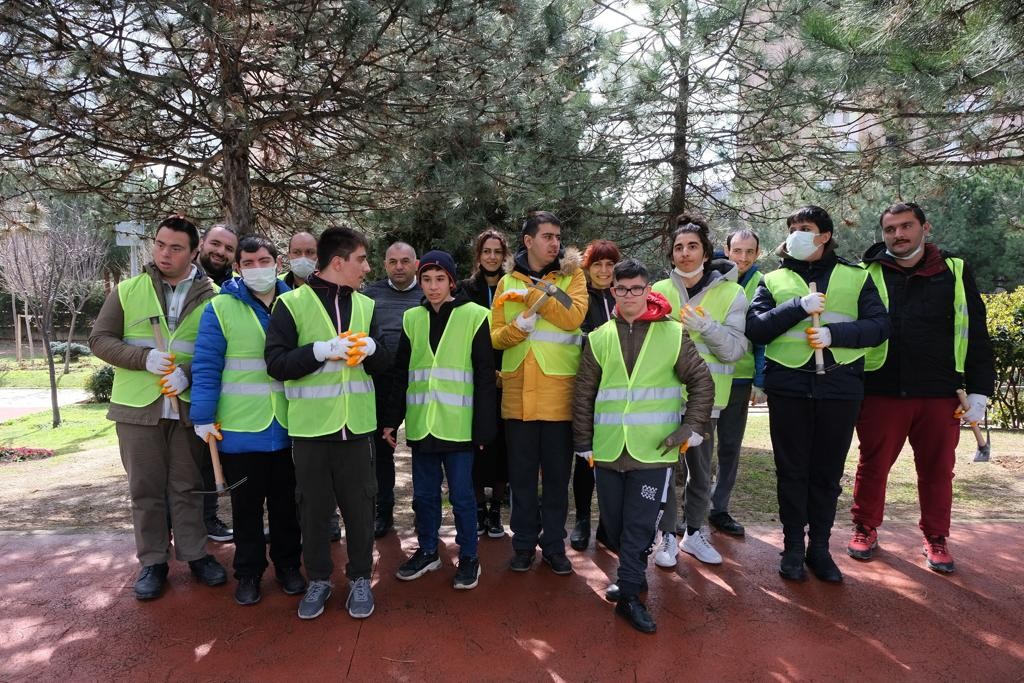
{"type": "Point", "coordinates": [697, 544]}
{"type": "Point", "coordinates": [665, 554]}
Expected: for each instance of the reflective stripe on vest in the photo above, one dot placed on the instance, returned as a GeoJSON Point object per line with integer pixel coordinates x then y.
{"type": "Point", "coordinates": [716, 302]}
{"type": "Point", "coordinates": [250, 399]}
{"type": "Point", "coordinates": [439, 399]}
{"type": "Point", "coordinates": [876, 356]}
{"type": "Point", "coordinates": [335, 396]}
{"type": "Point", "coordinates": [556, 350]}
{"type": "Point", "coordinates": [139, 301]}
{"type": "Point", "coordinates": [745, 365]}
{"type": "Point", "coordinates": [636, 412]}
{"type": "Point", "coordinates": [844, 286]}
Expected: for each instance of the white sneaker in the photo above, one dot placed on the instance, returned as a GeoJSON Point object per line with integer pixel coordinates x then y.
{"type": "Point", "coordinates": [665, 556]}
{"type": "Point", "coordinates": [698, 545]}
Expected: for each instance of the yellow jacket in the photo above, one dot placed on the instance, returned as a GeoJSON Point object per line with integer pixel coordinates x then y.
{"type": "Point", "coordinates": [527, 393]}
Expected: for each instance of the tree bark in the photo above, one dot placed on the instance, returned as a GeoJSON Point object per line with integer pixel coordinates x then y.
{"type": "Point", "coordinates": [680, 159]}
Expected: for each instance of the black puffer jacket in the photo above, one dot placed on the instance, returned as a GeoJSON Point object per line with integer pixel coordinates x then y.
{"type": "Point", "coordinates": [768, 319]}
{"type": "Point", "coordinates": [601, 309]}
{"type": "Point", "coordinates": [920, 361]}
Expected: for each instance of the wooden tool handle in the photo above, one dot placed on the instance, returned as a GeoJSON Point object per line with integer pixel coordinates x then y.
{"type": "Point", "coordinates": [962, 395]}
{"type": "Point", "coordinates": [218, 470]}
{"type": "Point", "coordinates": [158, 337]}
{"type": "Point", "coordinates": [819, 355]}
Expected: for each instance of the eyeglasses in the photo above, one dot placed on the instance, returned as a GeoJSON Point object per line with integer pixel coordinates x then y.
{"type": "Point", "coordinates": [635, 290]}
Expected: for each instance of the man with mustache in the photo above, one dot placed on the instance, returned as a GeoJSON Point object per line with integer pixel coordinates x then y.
{"type": "Point", "coordinates": [939, 344]}
{"type": "Point", "coordinates": [217, 253]}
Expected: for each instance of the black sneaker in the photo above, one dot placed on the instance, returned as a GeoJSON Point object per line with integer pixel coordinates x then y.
{"type": "Point", "coordinates": [636, 614]}
{"type": "Point", "coordinates": [248, 590]}
{"type": "Point", "coordinates": [579, 539]}
{"type": "Point", "coordinates": [494, 527]}
{"type": "Point", "coordinates": [419, 564]}
{"type": "Point", "coordinates": [481, 519]}
{"type": "Point", "coordinates": [823, 566]}
{"type": "Point", "coordinates": [724, 522]}
{"type": "Point", "coordinates": [217, 530]}
{"type": "Point", "coordinates": [612, 593]}
{"type": "Point", "coordinates": [208, 570]}
{"type": "Point", "coordinates": [382, 524]}
{"type": "Point", "coordinates": [468, 574]}
{"type": "Point", "coordinates": [291, 579]}
{"type": "Point", "coordinates": [791, 567]}
{"type": "Point", "coordinates": [559, 563]}
{"type": "Point", "coordinates": [522, 561]}
{"type": "Point", "coordinates": [150, 583]}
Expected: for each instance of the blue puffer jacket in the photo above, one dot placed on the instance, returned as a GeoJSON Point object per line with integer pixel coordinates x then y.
{"type": "Point", "coordinates": [208, 365]}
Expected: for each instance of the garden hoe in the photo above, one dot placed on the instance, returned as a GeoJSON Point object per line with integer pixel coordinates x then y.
{"type": "Point", "coordinates": [984, 451]}
{"type": "Point", "coordinates": [218, 474]}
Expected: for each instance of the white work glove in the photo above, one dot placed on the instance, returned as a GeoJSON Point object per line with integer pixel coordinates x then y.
{"type": "Point", "coordinates": [681, 440]}
{"type": "Point", "coordinates": [360, 347]}
{"type": "Point", "coordinates": [813, 302]}
{"type": "Point", "coordinates": [695, 320]}
{"type": "Point", "coordinates": [205, 432]}
{"type": "Point", "coordinates": [976, 412]}
{"type": "Point", "coordinates": [526, 324]}
{"type": "Point", "coordinates": [757, 396]}
{"type": "Point", "coordinates": [819, 337]}
{"type": "Point", "coordinates": [586, 455]}
{"type": "Point", "coordinates": [332, 349]}
{"type": "Point", "coordinates": [174, 383]}
{"type": "Point", "coordinates": [159, 362]}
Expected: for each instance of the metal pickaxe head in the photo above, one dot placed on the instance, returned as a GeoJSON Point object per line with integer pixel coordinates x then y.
{"type": "Point", "coordinates": [551, 291]}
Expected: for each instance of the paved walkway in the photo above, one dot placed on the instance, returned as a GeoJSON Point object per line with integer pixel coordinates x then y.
{"type": "Point", "coordinates": [67, 613]}
{"type": "Point", "coordinates": [17, 402]}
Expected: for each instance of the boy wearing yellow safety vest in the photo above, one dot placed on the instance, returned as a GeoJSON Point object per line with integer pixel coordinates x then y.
{"type": "Point", "coordinates": [444, 388]}
{"type": "Point", "coordinates": [813, 407]}
{"type": "Point", "coordinates": [939, 344]}
{"type": "Point", "coordinates": [235, 402]}
{"type": "Point", "coordinates": [626, 421]}
{"type": "Point", "coordinates": [538, 371]}
{"type": "Point", "coordinates": [712, 308]}
{"type": "Point", "coordinates": [321, 344]}
{"type": "Point", "coordinates": [147, 331]}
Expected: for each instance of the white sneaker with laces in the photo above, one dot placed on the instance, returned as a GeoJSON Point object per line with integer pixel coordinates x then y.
{"type": "Point", "coordinates": [665, 556]}
{"type": "Point", "coordinates": [698, 545]}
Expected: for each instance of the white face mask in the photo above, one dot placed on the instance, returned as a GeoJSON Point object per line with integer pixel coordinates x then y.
{"type": "Point", "coordinates": [800, 245]}
{"type": "Point", "coordinates": [908, 256]}
{"type": "Point", "coordinates": [303, 267]}
{"type": "Point", "coordinates": [260, 280]}
{"type": "Point", "coordinates": [692, 273]}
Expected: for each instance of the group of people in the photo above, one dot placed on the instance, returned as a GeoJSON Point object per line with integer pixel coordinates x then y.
{"type": "Point", "coordinates": [544, 367]}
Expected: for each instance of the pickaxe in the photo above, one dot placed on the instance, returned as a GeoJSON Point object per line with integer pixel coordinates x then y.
{"type": "Point", "coordinates": [550, 290]}
{"type": "Point", "coordinates": [984, 446]}
{"type": "Point", "coordinates": [158, 337]}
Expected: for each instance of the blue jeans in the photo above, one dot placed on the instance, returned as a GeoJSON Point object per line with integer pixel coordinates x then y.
{"type": "Point", "coordinates": [426, 497]}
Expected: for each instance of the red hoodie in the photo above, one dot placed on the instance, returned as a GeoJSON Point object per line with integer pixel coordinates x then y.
{"type": "Point", "coordinates": [657, 307]}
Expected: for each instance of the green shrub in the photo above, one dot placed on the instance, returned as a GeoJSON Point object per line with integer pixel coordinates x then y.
{"type": "Point", "coordinates": [76, 350]}
{"type": "Point", "coordinates": [100, 384]}
{"type": "Point", "coordinates": [1006, 327]}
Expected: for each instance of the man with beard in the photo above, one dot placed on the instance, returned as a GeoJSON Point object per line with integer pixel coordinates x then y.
{"type": "Point", "coordinates": [217, 253]}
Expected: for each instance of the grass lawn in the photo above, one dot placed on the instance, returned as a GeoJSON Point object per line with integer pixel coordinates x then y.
{"type": "Point", "coordinates": [993, 490]}
{"type": "Point", "coordinates": [33, 374]}
{"type": "Point", "coordinates": [83, 427]}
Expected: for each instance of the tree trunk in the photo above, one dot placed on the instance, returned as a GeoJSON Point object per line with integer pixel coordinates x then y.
{"type": "Point", "coordinates": [680, 159]}
{"type": "Point", "coordinates": [51, 366]}
{"type": "Point", "coordinates": [71, 336]}
{"type": "Point", "coordinates": [237, 197]}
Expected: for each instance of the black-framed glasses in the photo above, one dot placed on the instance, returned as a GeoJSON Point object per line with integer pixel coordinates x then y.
{"type": "Point", "coordinates": [635, 290]}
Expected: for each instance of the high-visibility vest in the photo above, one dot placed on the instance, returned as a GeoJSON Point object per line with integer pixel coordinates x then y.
{"type": "Point", "coordinates": [716, 302]}
{"type": "Point", "coordinates": [249, 398]}
{"type": "Point", "coordinates": [875, 357]}
{"type": "Point", "coordinates": [745, 365]}
{"type": "Point", "coordinates": [844, 286]}
{"type": "Point", "coordinates": [336, 396]}
{"type": "Point", "coordinates": [439, 399]}
{"type": "Point", "coordinates": [557, 351]}
{"type": "Point", "coordinates": [637, 411]}
{"type": "Point", "coordinates": [138, 388]}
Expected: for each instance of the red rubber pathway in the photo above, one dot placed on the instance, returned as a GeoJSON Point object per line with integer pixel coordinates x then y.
{"type": "Point", "coordinates": [67, 613]}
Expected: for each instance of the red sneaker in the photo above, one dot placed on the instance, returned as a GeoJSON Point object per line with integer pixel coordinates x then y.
{"type": "Point", "coordinates": [938, 556]}
{"type": "Point", "coordinates": [862, 545]}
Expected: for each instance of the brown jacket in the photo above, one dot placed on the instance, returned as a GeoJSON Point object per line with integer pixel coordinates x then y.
{"type": "Point", "coordinates": [107, 343]}
{"type": "Point", "coordinates": [690, 369]}
{"type": "Point", "coordinates": [527, 393]}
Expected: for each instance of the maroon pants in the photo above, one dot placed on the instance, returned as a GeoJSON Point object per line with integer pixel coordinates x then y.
{"type": "Point", "coordinates": [884, 425]}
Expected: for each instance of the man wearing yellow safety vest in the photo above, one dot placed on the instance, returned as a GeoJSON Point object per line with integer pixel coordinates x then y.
{"type": "Point", "coordinates": [813, 408]}
{"type": "Point", "coordinates": [626, 421]}
{"type": "Point", "coordinates": [712, 307]}
{"type": "Point", "coordinates": [150, 403]}
{"type": "Point", "coordinates": [939, 344]}
{"type": "Point", "coordinates": [538, 370]}
{"type": "Point", "coordinates": [235, 402]}
{"type": "Point", "coordinates": [321, 344]}
{"type": "Point", "coordinates": [444, 388]}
